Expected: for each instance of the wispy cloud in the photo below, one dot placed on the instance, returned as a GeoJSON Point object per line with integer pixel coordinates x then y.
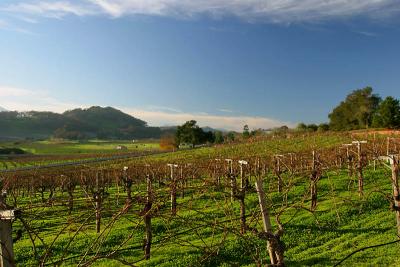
{"type": "Point", "coordinates": [235, 123]}
{"type": "Point", "coordinates": [7, 91]}
{"type": "Point", "coordinates": [13, 98]}
{"type": "Point", "coordinates": [277, 11]}
{"type": "Point", "coordinates": [50, 9]}
{"type": "Point", "coordinates": [367, 34]}
{"type": "Point", "coordinates": [225, 110]}
{"type": "Point", "coordinates": [162, 108]}
{"type": "Point", "coordinates": [6, 25]}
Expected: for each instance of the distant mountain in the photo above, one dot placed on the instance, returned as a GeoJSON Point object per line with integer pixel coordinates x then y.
{"type": "Point", "coordinates": [209, 129]}
{"type": "Point", "coordinates": [108, 117]}
{"type": "Point", "coordinates": [3, 109]}
{"type": "Point", "coordinates": [94, 122]}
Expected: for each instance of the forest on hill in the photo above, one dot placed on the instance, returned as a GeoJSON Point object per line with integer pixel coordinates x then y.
{"type": "Point", "coordinates": [94, 122]}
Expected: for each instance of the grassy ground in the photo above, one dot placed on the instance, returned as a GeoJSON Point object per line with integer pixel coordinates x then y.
{"type": "Point", "coordinates": [341, 224]}
{"type": "Point", "coordinates": [75, 147]}
{"type": "Point", "coordinates": [205, 231]}
{"type": "Point", "coordinates": [52, 151]}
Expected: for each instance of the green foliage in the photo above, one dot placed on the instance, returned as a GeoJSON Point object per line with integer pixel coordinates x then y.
{"type": "Point", "coordinates": [191, 133]}
{"type": "Point", "coordinates": [356, 111]}
{"type": "Point", "coordinates": [11, 151]}
{"type": "Point", "coordinates": [219, 137]}
{"type": "Point", "coordinates": [302, 127]}
{"type": "Point", "coordinates": [94, 122]}
{"type": "Point", "coordinates": [246, 132]}
{"type": "Point", "coordinates": [323, 127]}
{"type": "Point", "coordinates": [387, 114]}
{"type": "Point", "coordinates": [230, 136]}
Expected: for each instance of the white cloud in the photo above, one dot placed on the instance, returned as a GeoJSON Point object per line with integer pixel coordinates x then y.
{"type": "Point", "coordinates": [236, 123]}
{"type": "Point", "coordinates": [20, 99]}
{"type": "Point", "coordinates": [368, 34]}
{"type": "Point", "coordinates": [162, 108]}
{"type": "Point", "coordinates": [279, 11]}
{"type": "Point", "coordinates": [50, 9]}
{"type": "Point", "coordinates": [6, 91]}
{"type": "Point", "coordinates": [225, 110]}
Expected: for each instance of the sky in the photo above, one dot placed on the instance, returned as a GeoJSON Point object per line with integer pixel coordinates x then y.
{"type": "Point", "coordinates": [224, 63]}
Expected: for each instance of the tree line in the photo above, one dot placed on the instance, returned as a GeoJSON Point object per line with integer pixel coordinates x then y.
{"type": "Point", "coordinates": [361, 109]}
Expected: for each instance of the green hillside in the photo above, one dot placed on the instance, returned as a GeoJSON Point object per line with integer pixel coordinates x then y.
{"type": "Point", "coordinates": [94, 122]}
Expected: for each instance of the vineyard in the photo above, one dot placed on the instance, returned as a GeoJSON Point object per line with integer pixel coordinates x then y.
{"type": "Point", "coordinates": [301, 200]}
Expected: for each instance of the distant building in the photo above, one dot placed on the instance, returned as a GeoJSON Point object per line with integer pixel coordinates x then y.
{"type": "Point", "coordinates": [121, 148]}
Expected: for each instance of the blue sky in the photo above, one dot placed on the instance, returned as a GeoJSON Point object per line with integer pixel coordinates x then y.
{"type": "Point", "coordinates": [224, 63]}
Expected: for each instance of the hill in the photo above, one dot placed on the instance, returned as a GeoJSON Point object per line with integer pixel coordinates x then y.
{"type": "Point", "coordinates": [94, 122]}
{"type": "Point", "coordinates": [2, 109]}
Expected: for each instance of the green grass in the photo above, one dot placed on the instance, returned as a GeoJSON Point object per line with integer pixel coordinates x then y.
{"type": "Point", "coordinates": [205, 231]}
{"type": "Point", "coordinates": [53, 151]}
{"type": "Point", "coordinates": [341, 224]}
{"type": "Point", "coordinates": [74, 147]}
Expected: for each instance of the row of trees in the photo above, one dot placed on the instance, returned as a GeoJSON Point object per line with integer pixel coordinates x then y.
{"type": "Point", "coordinates": [323, 127]}
{"type": "Point", "coordinates": [190, 134]}
{"type": "Point", "coordinates": [363, 109]}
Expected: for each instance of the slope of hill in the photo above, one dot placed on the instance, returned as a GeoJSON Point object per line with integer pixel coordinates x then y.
{"type": "Point", "coordinates": [108, 117]}
{"type": "Point", "coordinates": [94, 122]}
{"type": "Point", "coordinates": [3, 109]}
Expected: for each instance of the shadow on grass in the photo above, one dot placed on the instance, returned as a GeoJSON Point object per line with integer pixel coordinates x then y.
{"type": "Point", "coordinates": [338, 230]}
{"type": "Point", "coordinates": [321, 261]}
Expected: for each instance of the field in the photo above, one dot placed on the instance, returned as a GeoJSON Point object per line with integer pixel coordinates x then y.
{"type": "Point", "coordinates": [56, 152]}
{"type": "Point", "coordinates": [53, 147]}
{"type": "Point", "coordinates": [108, 215]}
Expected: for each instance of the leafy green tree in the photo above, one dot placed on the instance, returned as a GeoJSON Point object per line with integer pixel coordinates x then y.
{"type": "Point", "coordinates": [387, 114]}
{"type": "Point", "coordinates": [323, 127]}
{"type": "Point", "coordinates": [246, 132]}
{"type": "Point", "coordinates": [219, 137]}
{"type": "Point", "coordinates": [191, 133]}
{"type": "Point", "coordinates": [356, 111]}
{"type": "Point", "coordinates": [312, 127]}
{"type": "Point", "coordinates": [301, 127]}
{"type": "Point", "coordinates": [230, 136]}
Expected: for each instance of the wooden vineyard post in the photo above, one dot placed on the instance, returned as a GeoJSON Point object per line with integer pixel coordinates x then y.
{"type": "Point", "coordinates": [232, 178]}
{"type": "Point", "coordinates": [70, 190]}
{"type": "Point", "coordinates": [173, 188]}
{"type": "Point", "coordinates": [349, 159]}
{"type": "Point", "coordinates": [394, 166]}
{"type": "Point", "coordinates": [147, 218]}
{"type": "Point", "coordinates": [241, 197]}
{"type": "Point", "coordinates": [278, 172]}
{"type": "Point", "coordinates": [97, 197]}
{"type": "Point", "coordinates": [6, 241]}
{"type": "Point", "coordinates": [396, 190]}
{"type": "Point", "coordinates": [292, 166]}
{"type": "Point", "coordinates": [182, 182]}
{"type": "Point", "coordinates": [216, 173]}
{"type": "Point", "coordinates": [360, 167]}
{"type": "Point", "coordinates": [274, 247]}
{"type": "Point", "coordinates": [128, 185]}
{"type": "Point", "coordinates": [315, 176]}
